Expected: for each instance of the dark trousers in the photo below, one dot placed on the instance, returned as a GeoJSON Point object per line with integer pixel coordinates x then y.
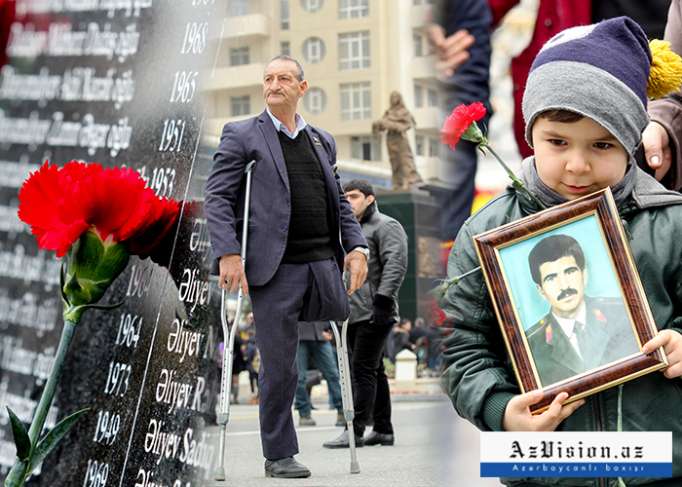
{"type": "Point", "coordinates": [297, 292]}
{"type": "Point", "coordinates": [371, 397]}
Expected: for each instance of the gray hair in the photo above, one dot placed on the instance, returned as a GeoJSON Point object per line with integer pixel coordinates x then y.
{"type": "Point", "coordinates": [284, 57]}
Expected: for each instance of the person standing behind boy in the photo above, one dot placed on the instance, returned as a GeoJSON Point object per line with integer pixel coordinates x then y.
{"type": "Point", "coordinates": [585, 109]}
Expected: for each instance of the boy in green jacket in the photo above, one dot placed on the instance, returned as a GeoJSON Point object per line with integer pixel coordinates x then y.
{"type": "Point", "coordinates": [585, 109]}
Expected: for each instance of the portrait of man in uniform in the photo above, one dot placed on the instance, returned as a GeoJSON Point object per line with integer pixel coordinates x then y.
{"type": "Point", "coordinates": [579, 333]}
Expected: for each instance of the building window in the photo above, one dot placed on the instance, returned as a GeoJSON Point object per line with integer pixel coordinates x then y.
{"type": "Point", "coordinates": [285, 48]}
{"type": "Point", "coordinates": [313, 50]}
{"type": "Point", "coordinates": [365, 148]}
{"type": "Point", "coordinates": [356, 101]}
{"type": "Point", "coordinates": [315, 101]}
{"type": "Point", "coordinates": [419, 145]}
{"type": "Point", "coordinates": [239, 56]}
{"type": "Point", "coordinates": [284, 14]}
{"type": "Point", "coordinates": [353, 9]}
{"type": "Point", "coordinates": [354, 50]}
{"type": "Point", "coordinates": [417, 40]}
{"type": "Point", "coordinates": [312, 5]}
{"type": "Point", "coordinates": [434, 147]}
{"type": "Point", "coordinates": [237, 8]}
{"type": "Point", "coordinates": [432, 97]}
{"type": "Point", "coordinates": [240, 105]}
{"type": "Point", "coordinates": [418, 96]}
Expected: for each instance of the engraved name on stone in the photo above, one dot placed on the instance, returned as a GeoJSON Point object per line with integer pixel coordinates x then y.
{"type": "Point", "coordinates": [38, 268]}
{"type": "Point", "coordinates": [179, 394]}
{"type": "Point", "coordinates": [13, 174]}
{"type": "Point", "coordinates": [184, 342]}
{"type": "Point", "coordinates": [61, 40]}
{"type": "Point", "coordinates": [199, 240]}
{"type": "Point", "coordinates": [87, 133]}
{"type": "Point", "coordinates": [15, 358]}
{"type": "Point", "coordinates": [29, 311]}
{"type": "Point", "coordinates": [170, 445]}
{"type": "Point", "coordinates": [127, 7]}
{"type": "Point", "coordinates": [193, 289]}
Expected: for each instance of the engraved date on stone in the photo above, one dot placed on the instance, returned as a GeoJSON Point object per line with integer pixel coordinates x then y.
{"type": "Point", "coordinates": [108, 425]}
{"type": "Point", "coordinates": [118, 378]}
{"type": "Point", "coordinates": [96, 474]}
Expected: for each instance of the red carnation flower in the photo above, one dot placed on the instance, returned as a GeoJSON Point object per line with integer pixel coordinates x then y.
{"type": "Point", "coordinates": [60, 204]}
{"type": "Point", "coordinates": [461, 123]}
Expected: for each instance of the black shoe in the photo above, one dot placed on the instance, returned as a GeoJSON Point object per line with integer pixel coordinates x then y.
{"type": "Point", "coordinates": [286, 468]}
{"type": "Point", "coordinates": [343, 442]}
{"type": "Point", "coordinates": [375, 438]}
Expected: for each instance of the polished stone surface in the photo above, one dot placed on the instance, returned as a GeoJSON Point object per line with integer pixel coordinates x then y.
{"type": "Point", "coordinates": [119, 86]}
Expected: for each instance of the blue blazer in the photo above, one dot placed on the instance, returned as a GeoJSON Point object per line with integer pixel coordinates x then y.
{"type": "Point", "coordinates": [256, 139]}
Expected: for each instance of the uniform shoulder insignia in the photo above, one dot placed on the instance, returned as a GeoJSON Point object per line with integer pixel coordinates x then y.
{"type": "Point", "coordinates": [599, 315]}
{"type": "Point", "coordinates": [537, 327]}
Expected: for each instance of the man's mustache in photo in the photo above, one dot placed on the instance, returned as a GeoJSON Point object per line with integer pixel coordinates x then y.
{"type": "Point", "coordinates": [566, 293]}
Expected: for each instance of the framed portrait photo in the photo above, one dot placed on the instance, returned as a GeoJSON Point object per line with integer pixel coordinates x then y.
{"type": "Point", "coordinates": [568, 299]}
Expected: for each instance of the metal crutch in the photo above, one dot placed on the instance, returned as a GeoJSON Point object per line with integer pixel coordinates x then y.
{"type": "Point", "coordinates": [346, 388]}
{"type": "Point", "coordinates": [223, 416]}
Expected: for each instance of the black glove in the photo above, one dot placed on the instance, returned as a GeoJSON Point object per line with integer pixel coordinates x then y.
{"type": "Point", "coordinates": [382, 313]}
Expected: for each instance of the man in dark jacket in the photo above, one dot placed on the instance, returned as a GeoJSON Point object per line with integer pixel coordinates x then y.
{"type": "Point", "coordinates": [373, 311]}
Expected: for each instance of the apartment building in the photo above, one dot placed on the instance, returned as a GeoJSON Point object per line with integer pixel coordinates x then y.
{"type": "Point", "coordinates": [354, 52]}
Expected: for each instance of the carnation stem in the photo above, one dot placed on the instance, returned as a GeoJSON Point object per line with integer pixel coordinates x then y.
{"type": "Point", "coordinates": [516, 182]}
{"type": "Point", "coordinates": [21, 469]}
{"type": "Point", "coordinates": [443, 289]}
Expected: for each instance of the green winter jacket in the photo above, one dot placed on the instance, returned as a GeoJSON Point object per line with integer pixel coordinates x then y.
{"type": "Point", "coordinates": [478, 376]}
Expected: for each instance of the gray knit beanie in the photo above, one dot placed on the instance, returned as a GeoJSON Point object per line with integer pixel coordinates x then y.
{"type": "Point", "coordinates": [599, 71]}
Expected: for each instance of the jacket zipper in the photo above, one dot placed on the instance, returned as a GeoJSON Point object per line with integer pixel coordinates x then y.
{"type": "Point", "coordinates": [601, 482]}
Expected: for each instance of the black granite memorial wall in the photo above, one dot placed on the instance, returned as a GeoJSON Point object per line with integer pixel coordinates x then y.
{"type": "Point", "coordinates": [117, 82]}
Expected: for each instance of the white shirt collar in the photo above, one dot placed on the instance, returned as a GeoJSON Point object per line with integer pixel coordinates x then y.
{"type": "Point", "coordinates": [568, 325]}
{"type": "Point", "coordinates": [280, 127]}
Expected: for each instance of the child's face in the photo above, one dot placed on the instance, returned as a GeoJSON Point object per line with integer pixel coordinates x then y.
{"type": "Point", "coordinates": [578, 158]}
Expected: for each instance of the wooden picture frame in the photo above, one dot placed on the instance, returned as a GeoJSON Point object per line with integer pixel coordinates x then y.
{"type": "Point", "coordinates": [546, 354]}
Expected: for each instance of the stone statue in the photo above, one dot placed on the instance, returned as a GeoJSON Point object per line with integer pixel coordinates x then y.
{"type": "Point", "coordinates": [397, 120]}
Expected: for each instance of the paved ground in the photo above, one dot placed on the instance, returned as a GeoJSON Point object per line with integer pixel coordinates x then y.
{"type": "Point", "coordinates": [433, 448]}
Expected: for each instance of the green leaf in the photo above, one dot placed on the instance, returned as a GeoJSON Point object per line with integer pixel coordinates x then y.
{"type": "Point", "coordinates": [21, 439]}
{"type": "Point", "coordinates": [54, 436]}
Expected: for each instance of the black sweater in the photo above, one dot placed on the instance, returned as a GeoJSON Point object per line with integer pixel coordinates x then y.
{"type": "Point", "coordinates": [309, 236]}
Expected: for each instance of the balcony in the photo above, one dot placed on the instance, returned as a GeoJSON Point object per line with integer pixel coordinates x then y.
{"type": "Point", "coordinates": [427, 118]}
{"type": "Point", "coordinates": [245, 26]}
{"type": "Point", "coordinates": [423, 67]}
{"type": "Point", "coordinates": [420, 15]}
{"type": "Point", "coordinates": [233, 77]}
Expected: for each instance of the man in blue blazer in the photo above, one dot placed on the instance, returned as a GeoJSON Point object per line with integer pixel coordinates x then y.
{"type": "Point", "coordinates": [302, 233]}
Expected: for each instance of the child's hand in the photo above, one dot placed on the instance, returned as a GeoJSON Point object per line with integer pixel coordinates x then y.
{"type": "Point", "coordinates": [671, 341]}
{"type": "Point", "coordinates": [517, 416]}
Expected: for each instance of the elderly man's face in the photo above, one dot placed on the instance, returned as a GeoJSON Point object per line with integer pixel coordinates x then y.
{"type": "Point", "coordinates": [281, 86]}
{"type": "Point", "coordinates": [563, 285]}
